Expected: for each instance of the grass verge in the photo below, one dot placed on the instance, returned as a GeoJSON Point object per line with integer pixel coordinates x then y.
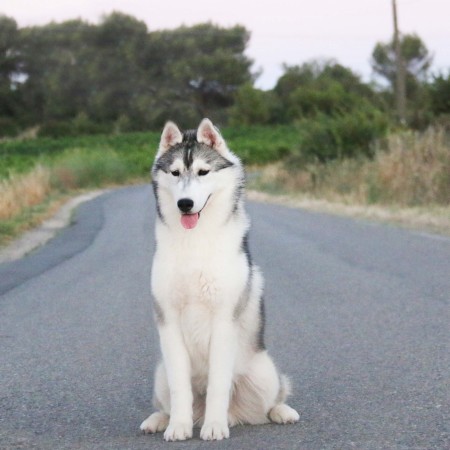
{"type": "Point", "coordinates": [433, 219]}
{"type": "Point", "coordinates": [407, 183]}
{"type": "Point", "coordinates": [26, 200]}
{"type": "Point", "coordinates": [30, 217]}
{"type": "Point", "coordinates": [23, 191]}
{"type": "Point", "coordinates": [409, 169]}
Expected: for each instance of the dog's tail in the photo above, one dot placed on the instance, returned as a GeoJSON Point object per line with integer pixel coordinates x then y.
{"type": "Point", "coordinates": [285, 389]}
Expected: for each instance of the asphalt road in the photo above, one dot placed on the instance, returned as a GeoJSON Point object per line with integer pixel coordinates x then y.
{"type": "Point", "coordinates": [358, 316]}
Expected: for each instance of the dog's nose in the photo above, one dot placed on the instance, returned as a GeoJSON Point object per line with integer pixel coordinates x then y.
{"type": "Point", "coordinates": [185, 204]}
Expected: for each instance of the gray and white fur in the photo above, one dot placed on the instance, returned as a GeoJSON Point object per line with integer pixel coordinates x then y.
{"type": "Point", "coordinates": [215, 371]}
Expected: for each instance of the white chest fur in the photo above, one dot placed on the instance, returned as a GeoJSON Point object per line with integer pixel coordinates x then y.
{"type": "Point", "coordinates": [198, 276]}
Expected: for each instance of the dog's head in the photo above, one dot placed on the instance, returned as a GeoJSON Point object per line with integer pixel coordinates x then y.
{"type": "Point", "coordinates": [189, 169]}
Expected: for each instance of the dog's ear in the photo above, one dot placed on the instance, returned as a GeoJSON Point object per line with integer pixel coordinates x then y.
{"type": "Point", "coordinates": [170, 136]}
{"type": "Point", "coordinates": [209, 135]}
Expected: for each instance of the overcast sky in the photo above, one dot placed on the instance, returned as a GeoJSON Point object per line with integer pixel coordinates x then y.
{"type": "Point", "coordinates": [282, 31]}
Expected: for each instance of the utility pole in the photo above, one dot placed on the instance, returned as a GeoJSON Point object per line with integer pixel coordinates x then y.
{"type": "Point", "coordinates": [400, 90]}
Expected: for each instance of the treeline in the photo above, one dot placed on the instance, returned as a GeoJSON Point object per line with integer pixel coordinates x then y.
{"type": "Point", "coordinates": [117, 73]}
{"type": "Point", "coordinates": [117, 76]}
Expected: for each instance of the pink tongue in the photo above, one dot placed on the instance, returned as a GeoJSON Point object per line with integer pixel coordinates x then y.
{"type": "Point", "coordinates": [189, 220]}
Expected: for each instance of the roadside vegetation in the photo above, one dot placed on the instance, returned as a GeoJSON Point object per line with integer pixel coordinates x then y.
{"type": "Point", "coordinates": [82, 106]}
{"type": "Point", "coordinates": [407, 169]}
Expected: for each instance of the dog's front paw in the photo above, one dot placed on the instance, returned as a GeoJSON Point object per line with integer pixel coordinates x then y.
{"type": "Point", "coordinates": [214, 431]}
{"type": "Point", "coordinates": [158, 421]}
{"type": "Point", "coordinates": [178, 431]}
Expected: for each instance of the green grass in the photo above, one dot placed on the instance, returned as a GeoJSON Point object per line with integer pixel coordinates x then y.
{"type": "Point", "coordinates": [255, 145]}
{"type": "Point", "coordinates": [83, 168]}
{"type": "Point", "coordinates": [135, 149]}
{"type": "Point", "coordinates": [261, 145]}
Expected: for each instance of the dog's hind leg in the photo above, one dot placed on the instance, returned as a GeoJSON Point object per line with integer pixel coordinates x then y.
{"type": "Point", "coordinates": [281, 412]}
{"type": "Point", "coordinates": [258, 395]}
{"type": "Point", "coordinates": [158, 421]}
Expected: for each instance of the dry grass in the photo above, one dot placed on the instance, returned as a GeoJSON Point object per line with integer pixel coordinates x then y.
{"type": "Point", "coordinates": [26, 199]}
{"type": "Point", "coordinates": [415, 169]}
{"type": "Point", "coordinates": [409, 169]}
{"type": "Point", "coordinates": [75, 169]}
{"type": "Point", "coordinates": [23, 191]}
{"type": "Point", "coordinates": [407, 182]}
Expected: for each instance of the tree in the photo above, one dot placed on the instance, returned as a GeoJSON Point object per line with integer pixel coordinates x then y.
{"type": "Point", "coordinates": [9, 66]}
{"type": "Point", "coordinates": [250, 107]}
{"type": "Point", "coordinates": [202, 66]}
{"type": "Point", "coordinates": [415, 56]}
{"type": "Point", "coordinates": [321, 88]}
{"type": "Point", "coordinates": [119, 71]}
{"type": "Point", "coordinates": [416, 61]}
{"type": "Point", "coordinates": [439, 90]}
{"type": "Point", "coordinates": [55, 69]}
{"type": "Point", "coordinates": [117, 74]}
{"type": "Point", "coordinates": [339, 116]}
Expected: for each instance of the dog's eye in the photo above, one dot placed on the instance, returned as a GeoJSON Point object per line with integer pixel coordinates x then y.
{"type": "Point", "coordinates": [175, 173]}
{"type": "Point", "coordinates": [202, 173]}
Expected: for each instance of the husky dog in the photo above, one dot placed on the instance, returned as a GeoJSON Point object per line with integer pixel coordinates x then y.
{"type": "Point", "coordinates": [215, 371]}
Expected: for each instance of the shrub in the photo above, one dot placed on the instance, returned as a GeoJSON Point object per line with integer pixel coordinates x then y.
{"type": "Point", "coordinates": [408, 169]}
{"type": "Point", "coordinates": [326, 138]}
{"type": "Point", "coordinates": [79, 168]}
{"type": "Point", "coordinates": [250, 107]}
{"type": "Point", "coordinates": [80, 125]}
{"type": "Point", "coordinates": [56, 129]}
{"type": "Point", "coordinates": [8, 127]}
{"type": "Point", "coordinates": [439, 91]}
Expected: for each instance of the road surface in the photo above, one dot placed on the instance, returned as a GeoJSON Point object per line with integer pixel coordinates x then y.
{"type": "Point", "coordinates": [358, 316]}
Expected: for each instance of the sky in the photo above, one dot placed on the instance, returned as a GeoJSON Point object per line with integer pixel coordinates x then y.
{"type": "Point", "coordinates": [282, 31]}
